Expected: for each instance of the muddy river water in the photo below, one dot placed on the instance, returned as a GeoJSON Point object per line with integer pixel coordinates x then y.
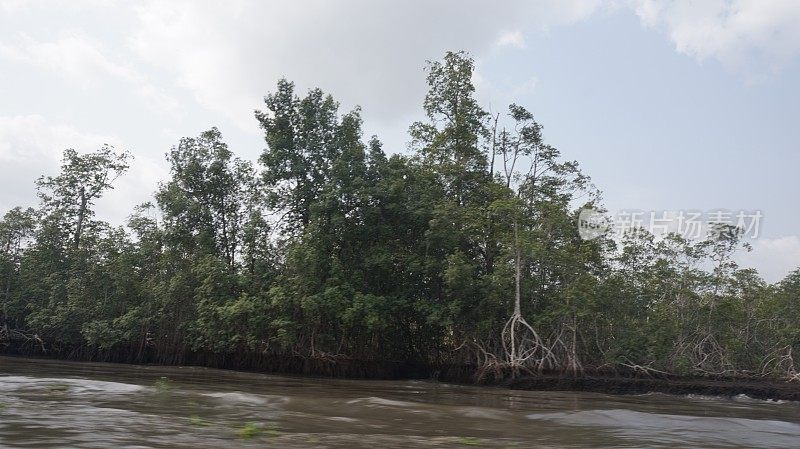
{"type": "Point", "coordinates": [51, 404]}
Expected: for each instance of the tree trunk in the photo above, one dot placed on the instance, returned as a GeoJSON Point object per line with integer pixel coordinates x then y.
{"type": "Point", "coordinates": [81, 216]}
{"type": "Point", "coordinates": [518, 273]}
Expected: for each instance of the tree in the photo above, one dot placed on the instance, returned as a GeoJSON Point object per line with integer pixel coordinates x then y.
{"type": "Point", "coordinates": [451, 140]}
{"type": "Point", "coordinates": [211, 225]}
{"type": "Point", "coordinates": [16, 230]}
{"type": "Point", "coordinates": [210, 196]}
{"type": "Point", "coordinates": [543, 187]}
{"type": "Point", "coordinates": [83, 179]}
{"type": "Point", "coordinates": [301, 146]}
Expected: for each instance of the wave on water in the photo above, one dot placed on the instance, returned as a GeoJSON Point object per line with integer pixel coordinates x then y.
{"type": "Point", "coordinates": [237, 397]}
{"type": "Point", "coordinates": [681, 428]}
{"type": "Point", "coordinates": [13, 383]}
{"type": "Point", "coordinates": [746, 398]}
{"type": "Point", "coordinates": [704, 397]}
{"type": "Point", "coordinates": [382, 402]}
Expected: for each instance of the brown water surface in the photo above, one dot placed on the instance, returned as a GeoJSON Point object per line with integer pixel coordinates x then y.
{"type": "Point", "coordinates": [52, 404]}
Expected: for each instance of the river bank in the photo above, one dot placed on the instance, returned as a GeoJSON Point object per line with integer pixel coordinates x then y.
{"type": "Point", "coordinates": [634, 384]}
{"type": "Point", "coordinates": [754, 388]}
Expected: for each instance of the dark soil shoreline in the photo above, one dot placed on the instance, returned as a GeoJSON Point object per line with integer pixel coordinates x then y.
{"type": "Point", "coordinates": [756, 388]}
{"type": "Point", "coordinates": [765, 389]}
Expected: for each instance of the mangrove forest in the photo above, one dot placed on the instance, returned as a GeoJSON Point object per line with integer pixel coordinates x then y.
{"type": "Point", "coordinates": [332, 254]}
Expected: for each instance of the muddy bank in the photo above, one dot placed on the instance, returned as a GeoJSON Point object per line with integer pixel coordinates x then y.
{"type": "Point", "coordinates": [457, 373]}
{"type": "Point", "coordinates": [754, 388]}
{"type": "Point", "coordinates": [286, 364]}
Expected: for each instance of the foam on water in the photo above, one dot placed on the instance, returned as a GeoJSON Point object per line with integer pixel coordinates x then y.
{"type": "Point", "coordinates": [682, 428]}
{"type": "Point", "coordinates": [13, 383]}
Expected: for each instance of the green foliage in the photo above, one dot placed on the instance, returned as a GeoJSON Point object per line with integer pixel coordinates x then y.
{"type": "Point", "coordinates": [331, 249]}
{"type": "Point", "coordinates": [69, 196]}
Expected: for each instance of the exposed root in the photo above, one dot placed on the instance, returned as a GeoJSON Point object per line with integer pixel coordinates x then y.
{"type": "Point", "coordinates": [524, 350]}
{"type": "Point", "coordinates": [705, 354]}
{"type": "Point", "coordinates": [327, 356]}
{"type": "Point", "coordinates": [8, 335]}
{"type": "Point", "coordinates": [781, 362]}
{"type": "Point", "coordinates": [646, 369]}
{"type": "Point", "coordinates": [488, 364]}
{"type": "Point", "coordinates": [571, 362]}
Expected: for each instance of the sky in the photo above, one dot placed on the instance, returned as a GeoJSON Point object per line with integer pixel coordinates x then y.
{"type": "Point", "coordinates": [668, 105]}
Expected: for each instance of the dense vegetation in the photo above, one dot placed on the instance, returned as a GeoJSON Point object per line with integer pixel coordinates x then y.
{"type": "Point", "coordinates": [464, 250]}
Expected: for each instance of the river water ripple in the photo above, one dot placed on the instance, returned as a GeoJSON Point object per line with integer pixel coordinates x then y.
{"type": "Point", "coordinates": [51, 404]}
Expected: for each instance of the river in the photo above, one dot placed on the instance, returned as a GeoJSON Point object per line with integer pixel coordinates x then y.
{"type": "Point", "coordinates": [53, 404]}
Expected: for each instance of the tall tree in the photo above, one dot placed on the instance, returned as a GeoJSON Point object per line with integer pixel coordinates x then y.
{"type": "Point", "coordinates": [210, 196]}
{"type": "Point", "coordinates": [83, 179]}
{"type": "Point", "coordinates": [452, 138]}
{"type": "Point", "coordinates": [301, 146]}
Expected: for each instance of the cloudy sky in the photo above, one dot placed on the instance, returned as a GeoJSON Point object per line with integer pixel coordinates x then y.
{"type": "Point", "coordinates": [673, 105]}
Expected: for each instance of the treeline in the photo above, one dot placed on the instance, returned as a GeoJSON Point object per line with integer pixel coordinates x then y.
{"type": "Point", "coordinates": [463, 251]}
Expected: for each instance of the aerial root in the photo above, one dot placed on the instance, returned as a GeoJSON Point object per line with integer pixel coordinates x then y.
{"type": "Point", "coordinates": [7, 335]}
{"type": "Point", "coordinates": [524, 350]}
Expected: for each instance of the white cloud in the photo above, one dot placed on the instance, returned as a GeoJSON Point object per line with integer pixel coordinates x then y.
{"type": "Point", "coordinates": [230, 56]}
{"type": "Point", "coordinates": [648, 11]}
{"type": "Point", "coordinates": [774, 258]}
{"type": "Point", "coordinates": [30, 138]}
{"type": "Point", "coordinates": [526, 87]}
{"type": "Point", "coordinates": [32, 146]}
{"type": "Point", "coordinates": [736, 32]}
{"type": "Point", "coordinates": [200, 47]}
{"type": "Point", "coordinates": [18, 5]}
{"type": "Point", "coordinates": [134, 187]}
{"type": "Point", "coordinates": [71, 56]}
{"type": "Point", "coordinates": [511, 39]}
{"type": "Point", "coordinates": [227, 55]}
{"type": "Point", "coordinates": [84, 60]}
